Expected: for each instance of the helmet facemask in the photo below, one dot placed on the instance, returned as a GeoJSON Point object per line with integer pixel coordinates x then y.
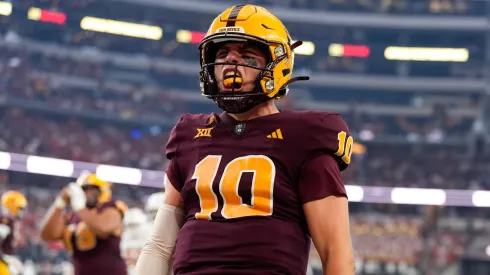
{"type": "Point", "coordinates": [238, 101]}
{"type": "Point", "coordinates": [93, 194]}
{"type": "Point", "coordinates": [234, 99]}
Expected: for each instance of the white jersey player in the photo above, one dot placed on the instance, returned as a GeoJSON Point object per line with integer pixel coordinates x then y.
{"type": "Point", "coordinates": [153, 204]}
{"type": "Point", "coordinates": [134, 236]}
{"type": "Point", "coordinates": [138, 227]}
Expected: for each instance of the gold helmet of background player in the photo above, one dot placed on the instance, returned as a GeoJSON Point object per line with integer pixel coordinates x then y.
{"type": "Point", "coordinates": [13, 203]}
{"type": "Point", "coordinates": [87, 179]}
{"type": "Point", "coordinates": [256, 25]}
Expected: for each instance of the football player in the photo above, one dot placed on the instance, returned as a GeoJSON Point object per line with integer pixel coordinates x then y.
{"type": "Point", "coordinates": [135, 233]}
{"type": "Point", "coordinates": [247, 188]}
{"type": "Point", "coordinates": [13, 205]}
{"type": "Point", "coordinates": [92, 230]}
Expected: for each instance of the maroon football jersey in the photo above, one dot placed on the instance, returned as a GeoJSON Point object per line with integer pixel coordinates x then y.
{"type": "Point", "coordinates": [8, 242]}
{"type": "Point", "coordinates": [91, 254]}
{"type": "Point", "coordinates": [243, 185]}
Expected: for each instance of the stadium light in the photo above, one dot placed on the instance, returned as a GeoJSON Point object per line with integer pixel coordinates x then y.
{"type": "Point", "coordinates": [5, 8]}
{"type": "Point", "coordinates": [345, 50]}
{"type": "Point", "coordinates": [121, 28]}
{"type": "Point", "coordinates": [427, 54]}
{"type": "Point", "coordinates": [126, 175]}
{"type": "Point", "coordinates": [481, 198]}
{"type": "Point", "coordinates": [4, 160]}
{"type": "Point", "coordinates": [307, 48]}
{"type": "Point", "coordinates": [37, 14]}
{"type": "Point", "coordinates": [192, 37]}
{"type": "Point", "coordinates": [49, 166]}
{"type": "Point", "coordinates": [418, 196]}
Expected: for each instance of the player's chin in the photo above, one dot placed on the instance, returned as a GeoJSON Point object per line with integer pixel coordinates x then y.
{"type": "Point", "coordinates": [91, 203]}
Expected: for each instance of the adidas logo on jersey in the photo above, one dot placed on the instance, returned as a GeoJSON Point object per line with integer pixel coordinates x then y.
{"type": "Point", "coordinates": [276, 134]}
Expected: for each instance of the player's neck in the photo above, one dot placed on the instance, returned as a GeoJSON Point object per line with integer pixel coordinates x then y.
{"type": "Point", "coordinates": [264, 109]}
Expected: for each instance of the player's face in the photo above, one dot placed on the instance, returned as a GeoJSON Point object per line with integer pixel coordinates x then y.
{"type": "Point", "coordinates": [92, 193]}
{"type": "Point", "coordinates": [239, 53]}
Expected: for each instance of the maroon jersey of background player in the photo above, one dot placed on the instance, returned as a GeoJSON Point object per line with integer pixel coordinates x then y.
{"type": "Point", "coordinates": [8, 242]}
{"type": "Point", "coordinates": [91, 254]}
{"type": "Point", "coordinates": [243, 185]}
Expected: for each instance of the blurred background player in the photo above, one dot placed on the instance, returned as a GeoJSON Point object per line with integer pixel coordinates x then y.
{"type": "Point", "coordinates": [134, 236]}
{"type": "Point", "coordinates": [138, 226]}
{"type": "Point", "coordinates": [92, 229]}
{"type": "Point", "coordinates": [152, 205]}
{"type": "Point", "coordinates": [12, 209]}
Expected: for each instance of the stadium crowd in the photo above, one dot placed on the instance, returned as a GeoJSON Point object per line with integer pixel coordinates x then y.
{"type": "Point", "coordinates": [39, 125]}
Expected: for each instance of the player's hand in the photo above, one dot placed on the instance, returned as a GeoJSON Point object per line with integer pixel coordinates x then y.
{"type": "Point", "coordinates": [65, 194]}
{"type": "Point", "coordinates": [15, 266]}
{"type": "Point", "coordinates": [63, 198]}
{"type": "Point", "coordinates": [78, 199]}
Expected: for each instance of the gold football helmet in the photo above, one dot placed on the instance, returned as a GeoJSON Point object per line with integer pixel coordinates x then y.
{"type": "Point", "coordinates": [87, 179]}
{"type": "Point", "coordinates": [13, 203]}
{"type": "Point", "coordinates": [251, 24]}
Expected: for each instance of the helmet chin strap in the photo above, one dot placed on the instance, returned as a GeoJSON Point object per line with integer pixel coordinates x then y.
{"type": "Point", "coordinates": [298, 78]}
{"type": "Point", "coordinates": [240, 104]}
{"type": "Point", "coordinates": [296, 44]}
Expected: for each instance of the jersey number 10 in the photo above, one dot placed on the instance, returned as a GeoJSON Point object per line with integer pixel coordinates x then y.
{"type": "Point", "coordinates": [84, 238]}
{"type": "Point", "coordinates": [233, 207]}
{"type": "Point", "coordinates": [345, 147]}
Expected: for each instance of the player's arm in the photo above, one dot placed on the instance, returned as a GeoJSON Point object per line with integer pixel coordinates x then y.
{"type": "Point", "coordinates": [53, 225]}
{"type": "Point", "coordinates": [155, 257]}
{"type": "Point", "coordinates": [5, 230]}
{"type": "Point", "coordinates": [326, 208]}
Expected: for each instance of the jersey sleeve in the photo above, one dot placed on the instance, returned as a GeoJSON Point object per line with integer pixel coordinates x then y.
{"type": "Point", "coordinates": [320, 179]}
{"type": "Point", "coordinates": [122, 207]}
{"type": "Point", "coordinates": [329, 134]}
{"type": "Point", "coordinates": [7, 225]}
{"type": "Point", "coordinates": [171, 152]}
{"type": "Point", "coordinates": [174, 175]}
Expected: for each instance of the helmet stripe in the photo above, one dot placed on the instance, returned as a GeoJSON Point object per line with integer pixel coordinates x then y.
{"type": "Point", "coordinates": [233, 15]}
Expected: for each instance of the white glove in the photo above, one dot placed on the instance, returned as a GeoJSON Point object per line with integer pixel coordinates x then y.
{"type": "Point", "coordinates": [15, 266]}
{"type": "Point", "coordinates": [60, 202]}
{"type": "Point", "coordinates": [77, 197]}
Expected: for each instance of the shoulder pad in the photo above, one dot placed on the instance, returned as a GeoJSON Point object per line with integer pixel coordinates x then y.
{"type": "Point", "coordinates": [328, 133]}
{"type": "Point", "coordinates": [186, 129]}
{"type": "Point", "coordinates": [121, 206]}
